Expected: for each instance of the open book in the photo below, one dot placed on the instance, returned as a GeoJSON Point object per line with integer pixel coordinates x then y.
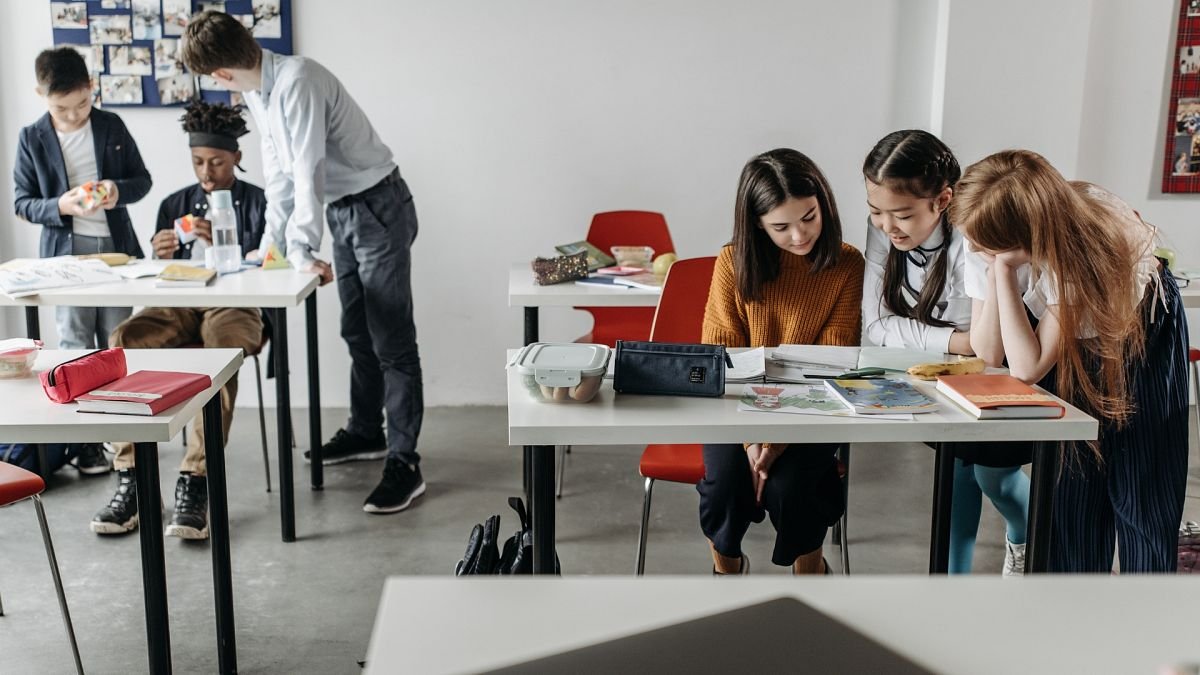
{"type": "Point", "coordinates": [28, 276]}
{"type": "Point", "coordinates": [801, 399]}
{"type": "Point", "coordinates": [813, 363]}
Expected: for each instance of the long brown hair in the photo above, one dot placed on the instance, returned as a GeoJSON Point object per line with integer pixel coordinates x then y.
{"type": "Point", "coordinates": [915, 163]}
{"type": "Point", "coordinates": [767, 181]}
{"type": "Point", "coordinates": [1015, 199]}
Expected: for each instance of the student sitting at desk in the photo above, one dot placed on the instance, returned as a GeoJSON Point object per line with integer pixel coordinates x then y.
{"type": "Point", "coordinates": [213, 130]}
{"type": "Point", "coordinates": [786, 278]}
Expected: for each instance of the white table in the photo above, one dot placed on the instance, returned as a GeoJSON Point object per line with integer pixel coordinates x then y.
{"type": "Point", "coordinates": [979, 625]}
{"type": "Point", "coordinates": [272, 290]}
{"type": "Point", "coordinates": [28, 416]}
{"type": "Point", "coordinates": [522, 292]}
{"type": "Point", "coordinates": [1190, 296]}
{"type": "Point", "coordinates": [627, 419]}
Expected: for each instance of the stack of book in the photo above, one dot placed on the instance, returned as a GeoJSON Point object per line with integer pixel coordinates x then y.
{"type": "Point", "coordinates": [178, 275]}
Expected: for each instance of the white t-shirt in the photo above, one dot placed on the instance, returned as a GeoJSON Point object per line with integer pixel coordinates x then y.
{"type": "Point", "coordinates": [79, 154]}
{"type": "Point", "coordinates": [884, 327]}
{"type": "Point", "coordinates": [1041, 293]}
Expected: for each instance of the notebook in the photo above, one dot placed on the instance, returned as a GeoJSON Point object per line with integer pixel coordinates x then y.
{"type": "Point", "coordinates": [784, 635]}
{"type": "Point", "coordinates": [990, 397]}
{"type": "Point", "coordinates": [873, 397]}
{"type": "Point", "coordinates": [145, 392]}
{"type": "Point", "coordinates": [177, 275]}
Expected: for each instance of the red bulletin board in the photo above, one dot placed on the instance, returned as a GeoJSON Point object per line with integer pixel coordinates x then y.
{"type": "Point", "coordinates": [1181, 161]}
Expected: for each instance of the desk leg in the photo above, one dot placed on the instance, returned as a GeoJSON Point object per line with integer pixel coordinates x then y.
{"type": "Point", "coordinates": [943, 497]}
{"type": "Point", "coordinates": [531, 336]}
{"type": "Point", "coordinates": [542, 509]}
{"type": "Point", "coordinates": [218, 510]}
{"type": "Point", "coordinates": [314, 394]}
{"type": "Point", "coordinates": [1041, 507]}
{"type": "Point", "coordinates": [33, 327]}
{"type": "Point", "coordinates": [283, 426]}
{"type": "Point", "coordinates": [154, 568]}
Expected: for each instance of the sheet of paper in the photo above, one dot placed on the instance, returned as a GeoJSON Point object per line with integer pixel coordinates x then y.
{"type": "Point", "coordinates": [28, 276]}
{"type": "Point", "coordinates": [748, 366]}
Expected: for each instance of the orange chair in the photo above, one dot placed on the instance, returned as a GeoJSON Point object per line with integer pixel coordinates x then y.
{"type": "Point", "coordinates": [17, 484]}
{"type": "Point", "coordinates": [680, 318]}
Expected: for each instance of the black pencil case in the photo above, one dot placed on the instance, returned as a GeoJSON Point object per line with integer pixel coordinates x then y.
{"type": "Point", "coordinates": [668, 369]}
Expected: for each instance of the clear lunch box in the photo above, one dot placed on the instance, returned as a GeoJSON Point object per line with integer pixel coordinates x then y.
{"type": "Point", "coordinates": [557, 372]}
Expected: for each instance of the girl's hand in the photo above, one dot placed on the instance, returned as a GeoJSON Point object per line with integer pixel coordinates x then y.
{"type": "Point", "coordinates": [753, 452]}
{"type": "Point", "coordinates": [762, 457]}
{"type": "Point", "coordinates": [1012, 258]}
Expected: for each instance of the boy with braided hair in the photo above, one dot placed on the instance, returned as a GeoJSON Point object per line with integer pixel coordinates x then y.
{"type": "Point", "coordinates": [213, 130]}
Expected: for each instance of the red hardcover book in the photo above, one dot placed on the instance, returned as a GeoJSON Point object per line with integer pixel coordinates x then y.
{"type": "Point", "coordinates": [998, 397]}
{"type": "Point", "coordinates": [146, 392]}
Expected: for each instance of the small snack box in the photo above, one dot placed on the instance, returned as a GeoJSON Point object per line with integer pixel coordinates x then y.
{"type": "Point", "coordinates": [562, 372]}
{"type": "Point", "coordinates": [17, 356]}
{"type": "Point", "coordinates": [633, 256]}
{"type": "Point", "coordinates": [185, 229]}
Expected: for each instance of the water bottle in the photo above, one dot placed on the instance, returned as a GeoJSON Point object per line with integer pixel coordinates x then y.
{"type": "Point", "coordinates": [226, 253]}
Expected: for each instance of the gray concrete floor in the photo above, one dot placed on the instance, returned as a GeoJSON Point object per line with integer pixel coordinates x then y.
{"type": "Point", "coordinates": [308, 607]}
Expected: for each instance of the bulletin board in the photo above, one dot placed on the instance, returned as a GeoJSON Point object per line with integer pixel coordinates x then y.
{"type": "Point", "coordinates": [1181, 161]}
{"type": "Point", "coordinates": [132, 46]}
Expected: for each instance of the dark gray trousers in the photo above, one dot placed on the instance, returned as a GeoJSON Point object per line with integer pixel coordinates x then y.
{"type": "Point", "coordinates": [373, 232]}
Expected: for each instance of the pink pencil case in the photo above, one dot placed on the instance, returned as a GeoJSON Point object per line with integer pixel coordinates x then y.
{"type": "Point", "coordinates": [68, 380]}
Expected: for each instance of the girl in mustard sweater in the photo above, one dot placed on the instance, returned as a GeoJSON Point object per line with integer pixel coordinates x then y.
{"type": "Point", "coordinates": [787, 278]}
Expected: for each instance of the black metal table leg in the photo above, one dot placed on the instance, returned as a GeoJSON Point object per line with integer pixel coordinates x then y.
{"type": "Point", "coordinates": [1041, 507]}
{"type": "Point", "coordinates": [283, 425]}
{"type": "Point", "coordinates": [154, 568]}
{"type": "Point", "coordinates": [943, 498]}
{"type": "Point", "coordinates": [531, 336]}
{"type": "Point", "coordinates": [314, 393]}
{"type": "Point", "coordinates": [218, 509]}
{"type": "Point", "coordinates": [531, 325]}
{"type": "Point", "coordinates": [542, 509]}
{"type": "Point", "coordinates": [33, 327]}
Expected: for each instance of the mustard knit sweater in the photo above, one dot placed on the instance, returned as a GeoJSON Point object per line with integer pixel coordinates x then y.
{"type": "Point", "coordinates": [798, 307]}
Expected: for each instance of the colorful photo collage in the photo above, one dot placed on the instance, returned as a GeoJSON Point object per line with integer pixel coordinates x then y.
{"type": "Point", "coordinates": [132, 46]}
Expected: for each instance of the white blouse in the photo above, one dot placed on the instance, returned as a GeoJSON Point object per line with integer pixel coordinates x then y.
{"type": "Point", "coordinates": [884, 327]}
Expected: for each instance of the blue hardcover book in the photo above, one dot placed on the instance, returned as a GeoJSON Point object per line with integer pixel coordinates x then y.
{"type": "Point", "coordinates": [868, 397]}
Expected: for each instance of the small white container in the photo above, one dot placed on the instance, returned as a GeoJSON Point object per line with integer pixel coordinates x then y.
{"type": "Point", "coordinates": [562, 372]}
{"type": "Point", "coordinates": [17, 356]}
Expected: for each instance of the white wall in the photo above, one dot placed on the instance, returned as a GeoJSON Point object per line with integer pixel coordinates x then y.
{"type": "Point", "coordinates": [514, 122]}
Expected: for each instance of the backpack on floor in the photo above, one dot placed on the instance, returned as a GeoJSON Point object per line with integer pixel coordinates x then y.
{"type": "Point", "coordinates": [25, 455]}
{"type": "Point", "coordinates": [1189, 548]}
{"type": "Point", "coordinates": [483, 557]}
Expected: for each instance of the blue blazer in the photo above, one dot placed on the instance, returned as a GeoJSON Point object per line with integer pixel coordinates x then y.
{"type": "Point", "coordinates": [40, 178]}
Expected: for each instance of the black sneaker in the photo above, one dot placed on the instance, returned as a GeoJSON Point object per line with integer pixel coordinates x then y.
{"type": "Point", "coordinates": [121, 514]}
{"type": "Point", "coordinates": [190, 520]}
{"type": "Point", "coordinates": [401, 484]}
{"type": "Point", "coordinates": [90, 460]}
{"type": "Point", "coordinates": [348, 447]}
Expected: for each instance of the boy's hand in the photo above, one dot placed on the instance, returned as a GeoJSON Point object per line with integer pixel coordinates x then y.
{"type": "Point", "coordinates": [71, 203]}
{"type": "Point", "coordinates": [165, 244]}
{"type": "Point", "coordinates": [203, 230]}
{"type": "Point", "coordinates": [111, 200]}
{"type": "Point", "coordinates": [321, 269]}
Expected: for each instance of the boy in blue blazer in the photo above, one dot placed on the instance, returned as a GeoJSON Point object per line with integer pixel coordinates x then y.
{"type": "Point", "coordinates": [72, 145]}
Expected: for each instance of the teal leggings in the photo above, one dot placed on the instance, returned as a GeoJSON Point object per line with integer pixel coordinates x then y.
{"type": "Point", "coordinates": [1008, 488]}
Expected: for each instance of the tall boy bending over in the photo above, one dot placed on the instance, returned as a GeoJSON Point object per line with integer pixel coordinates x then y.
{"type": "Point", "coordinates": [319, 149]}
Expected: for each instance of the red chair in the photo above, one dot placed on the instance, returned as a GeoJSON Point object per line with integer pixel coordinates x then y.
{"type": "Point", "coordinates": [17, 484]}
{"type": "Point", "coordinates": [680, 318]}
{"type": "Point", "coordinates": [625, 228]}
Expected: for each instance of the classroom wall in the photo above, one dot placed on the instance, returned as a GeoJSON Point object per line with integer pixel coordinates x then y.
{"type": "Point", "coordinates": [514, 122]}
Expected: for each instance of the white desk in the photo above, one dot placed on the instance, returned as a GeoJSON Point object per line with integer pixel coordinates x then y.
{"type": "Point", "coordinates": [28, 416]}
{"type": "Point", "coordinates": [627, 419]}
{"type": "Point", "coordinates": [1190, 295]}
{"type": "Point", "coordinates": [272, 290]}
{"type": "Point", "coordinates": [979, 625]}
{"type": "Point", "coordinates": [522, 292]}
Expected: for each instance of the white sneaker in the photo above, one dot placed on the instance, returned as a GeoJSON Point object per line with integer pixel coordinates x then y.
{"type": "Point", "coordinates": [1014, 559]}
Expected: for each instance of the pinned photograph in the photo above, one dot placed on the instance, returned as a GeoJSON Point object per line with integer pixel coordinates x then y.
{"type": "Point", "coordinates": [166, 58]}
{"type": "Point", "coordinates": [110, 29]}
{"type": "Point", "coordinates": [175, 16]}
{"type": "Point", "coordinates": [1183, 165]}
{"type": "Point", "coordinates": [114, 4]}
{"type": "Point", "coordinates": [121, 89]}
{"type": "Point", "coordinates": [1193, 8]}
{"type": "Point", "coordinates": [93, 56]}
{"type": "Point", "coordinates": [267, 20]}
{"type": "Point", "coordinates": [209, 84]}
{"type": "Point", "coordinates": [147, 21]}
{"type": "Point", "coordinates": [211, 6]}
{"type": "Point", "coordinates": [129, 60]}
{"type": "Point", "coordinates": [1187, 116]}
{"type": "Point", "coordinates": [246, 19]}
{"type": "Point", "coordinates": [72, 15]}
{"type": "Point", "coordinates": [1189, 60]}
{"type": "Point", "coordinates": [175, 89]}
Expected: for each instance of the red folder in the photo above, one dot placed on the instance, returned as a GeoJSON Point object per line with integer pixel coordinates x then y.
{"type": "Point", "coordinates": [146, 392]}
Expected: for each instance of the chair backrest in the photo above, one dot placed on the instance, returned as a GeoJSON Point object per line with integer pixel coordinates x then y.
{"type": "Point", "coordinates": [680, 314]}
{"type": "Point", "coordinates": [630, 228]}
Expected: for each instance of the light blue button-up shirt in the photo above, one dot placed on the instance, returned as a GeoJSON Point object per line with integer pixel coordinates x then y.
{"type": "Point", "coordinates": [318, 146]}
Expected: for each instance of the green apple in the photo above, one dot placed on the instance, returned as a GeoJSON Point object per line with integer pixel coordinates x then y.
{"type": "Point", "coordinates": [663, 263]}
{"type": "Point", "coordinates": [1168, 255]}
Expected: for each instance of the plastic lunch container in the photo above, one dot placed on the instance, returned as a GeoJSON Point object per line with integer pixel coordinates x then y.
{"type": "Point", "coordinates": [633, 256]}
{"type": "Point", "coordinates": [17, 356]}
{"type": "Point", "coordinates": [562, 372]}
